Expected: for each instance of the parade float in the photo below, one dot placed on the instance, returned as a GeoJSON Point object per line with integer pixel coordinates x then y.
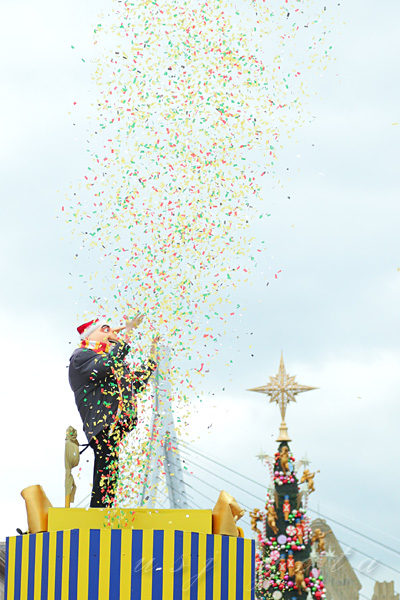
{"type": "Point", "coordinates": [130, 553]}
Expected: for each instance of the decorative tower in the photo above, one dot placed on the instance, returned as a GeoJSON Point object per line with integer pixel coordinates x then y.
{"type": "Point", "coordinates": [284, 567]}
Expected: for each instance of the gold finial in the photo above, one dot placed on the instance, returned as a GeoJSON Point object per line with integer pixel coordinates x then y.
{"type": "Point", "coordinates": [282, 389]}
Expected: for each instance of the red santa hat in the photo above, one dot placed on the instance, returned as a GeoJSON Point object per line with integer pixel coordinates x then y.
{"type": "Point", "coordinates": [86, 329]}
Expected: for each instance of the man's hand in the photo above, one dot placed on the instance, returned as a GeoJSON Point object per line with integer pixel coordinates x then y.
{"type": "Point", "coordinates": [134, 323]}
{"type": "Point", "coordinates": [154, 344]}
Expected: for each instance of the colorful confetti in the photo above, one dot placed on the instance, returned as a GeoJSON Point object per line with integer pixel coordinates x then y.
{"type": "Point", "coordinates": [193, 102]}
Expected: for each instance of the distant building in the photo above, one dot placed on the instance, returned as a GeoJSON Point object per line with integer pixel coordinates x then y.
{"type": "Point", "coordinates": [384, 590]}
{"type": "Point", "coordinates": [2, 568]}
{"type": "Point", "coordinates": [341, 582]}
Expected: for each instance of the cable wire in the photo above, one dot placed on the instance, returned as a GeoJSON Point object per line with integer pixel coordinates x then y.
{"type": "Point", "coordinates": [226, 480]}
{"type": "Point", "coordinates": [216, 489]}
{"type": "Point", "coordinates": [367, 555]}
{"type": "Point", "coordinates": [309, 508]}
{"type": "Point", "coordinates": [84, 500]}
{"type": "Point", "coordinates": [221, 465]}
{"type": "Point", "coordinates": [198, 492]}
{"type": "Point", "coordinates": [366, 575]}
{"type": "Point", "coordinates": [354, 531]}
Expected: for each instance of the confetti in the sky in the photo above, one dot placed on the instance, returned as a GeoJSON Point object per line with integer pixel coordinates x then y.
{"type": "Point", "coordinates": [193, 102]}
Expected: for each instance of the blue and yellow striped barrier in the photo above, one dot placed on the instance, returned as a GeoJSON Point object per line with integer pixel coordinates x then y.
{"type": "Point", "coordinates": [112, 564]}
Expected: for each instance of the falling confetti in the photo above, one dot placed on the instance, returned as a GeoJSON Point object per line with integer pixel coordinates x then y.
{"type": "Point", "coordinates": [193, 102]}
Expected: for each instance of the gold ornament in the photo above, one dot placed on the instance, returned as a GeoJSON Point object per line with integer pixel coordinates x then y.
{"type": "Point", "coordinates": [284, 459]}
{"type": "Point", "coordinates": [255, 517]}
{"type": "Point", "coordinates": [318, 536]}
{"type": "Point", "coordinates": [299, 576]}
{"type": "Point", "coordinates": [37, 508]}
{"type": "Point", "coordinates": [71, 460]}
{"type": "Point", "coordinates": [282, 389]}
{"type": "Point", "coordinates": [225, 515]}
{"type": "Point", "coordinates": [309, 477]}
{"type": "Point", "coordinates": [272, 517]}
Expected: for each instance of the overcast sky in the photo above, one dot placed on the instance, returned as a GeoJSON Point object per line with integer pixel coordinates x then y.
{"type": "Point", "coordinates": [332, 309]}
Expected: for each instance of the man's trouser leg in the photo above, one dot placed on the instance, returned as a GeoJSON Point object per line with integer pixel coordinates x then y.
{"type": "Point", "coordinates": [105, 469]}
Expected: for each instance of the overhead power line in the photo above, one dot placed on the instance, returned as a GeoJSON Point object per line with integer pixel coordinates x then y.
{"type": "Point", "coordinates": [248, 509]}
{"type": "Point", "coordinates": [216, 489]}
{"type": "Point", "coordinates": [227, 481]}
{"type": "Point", "coordinates": [212, 460]}
{"type": "Point", "coordinates": [220, 464]}
{"type": "Point", "coordinates": [187, 450]}
{"type": "Point", "coordinates": [369, 576]}
{"type": "Point", "coordinates": [368, 555]}
{"type": "Point", "coordinates": [84, 500]}
{"type": "Point", "coordinates": [247, 523]}
{"type": "Point", "coordinates": [206, 483]}
{"type": "Point", "coordinates": [198, 492]}
{"type": "Point", "coordinates": [355, 531]}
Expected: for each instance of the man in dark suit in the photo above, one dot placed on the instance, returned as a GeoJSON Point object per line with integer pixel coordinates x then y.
{"type": "Point", "coordinates": [105, 393]}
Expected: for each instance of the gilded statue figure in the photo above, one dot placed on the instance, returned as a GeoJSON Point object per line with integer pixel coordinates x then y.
{"type": "Point", "coordinates": [272, 517]}
{"type": "Point", "coordinates": [319, 537]}
{"type": "Point", "coordinates": [309, 477]}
